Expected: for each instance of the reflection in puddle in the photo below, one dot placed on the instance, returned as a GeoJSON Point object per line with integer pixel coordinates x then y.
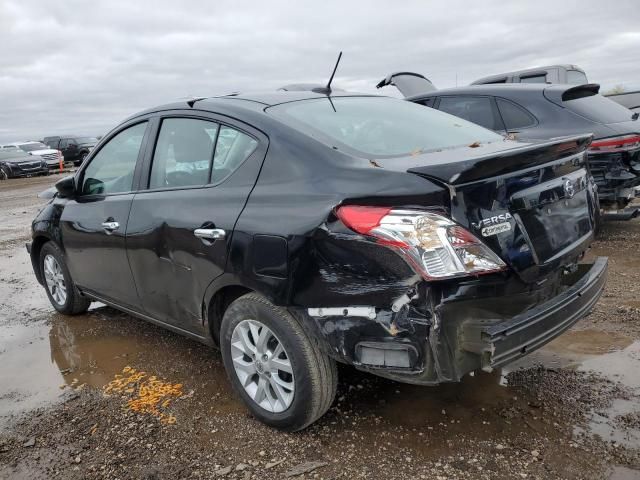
{"type": "Point", "coordinates": [41, 361]}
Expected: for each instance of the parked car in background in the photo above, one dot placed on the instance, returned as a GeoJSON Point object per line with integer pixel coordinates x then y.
{"type": "Point", "coordinates": [50, 155]}
{"type": "Point", "coordinates": [16, 163]}
{"type": "Point", "coordinates": [631, 100]}
{"type": "Point", "coordinates": [326, 227]}
{"type": "Point", "coordinates": [541, 111]}
{"type": "Point", "coordinates": [567, 74]}
{"type": "Point", "coordinates": [75, 148]}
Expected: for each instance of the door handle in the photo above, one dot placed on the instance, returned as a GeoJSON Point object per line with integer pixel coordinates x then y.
{"type": "Point", "coordinates": [110, 226]}
{"type": "Point", "coordinates": [210, 233]}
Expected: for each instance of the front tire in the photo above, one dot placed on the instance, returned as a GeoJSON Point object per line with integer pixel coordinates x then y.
{"type": "Point", "coordinates": [62, 292]}
{"type": "Point", "coordinates": [284, 379]}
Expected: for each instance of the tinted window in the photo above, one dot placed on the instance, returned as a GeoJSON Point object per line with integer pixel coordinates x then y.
{"type": "Point", "coordinates": [379, 126]}
{"type": "Point", "coordinates": [429, 101]}
{"type": "Point", "coordinates": [183, 153]}
{"type": "Point", "coordinates": [575, 77]}
{"type": "Point", "coordinates": [232, 149]}
{"type": "Point", "coordinates": [514, 116]}
{"type": "Point", "coordinates": [475, 109]}
{"type": "Point", "coordinates": [111, 169]}
{"type": "Point", "coordinates": [534, 79]}
{"type": "Point", "coordinates": [64, 143]}
{"type": "Point", "coordinates": [82, 140]}
{"type": "Point", "coordinates": [599, 109]}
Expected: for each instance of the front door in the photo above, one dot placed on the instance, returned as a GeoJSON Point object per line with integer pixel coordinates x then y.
{"type": "Point", "coordinates": [199, 175]}
{"type": "Point", "coordinates": [94, 223]}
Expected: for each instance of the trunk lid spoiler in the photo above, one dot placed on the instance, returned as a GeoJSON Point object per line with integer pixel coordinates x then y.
{"type": "Point", "coordinates": [494, 162]}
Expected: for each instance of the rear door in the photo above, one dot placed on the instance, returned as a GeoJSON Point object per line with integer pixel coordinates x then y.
{"type": "Point", "coordinates": [93, 224]}
{"type": "Point", "coordinates": [196, 181]}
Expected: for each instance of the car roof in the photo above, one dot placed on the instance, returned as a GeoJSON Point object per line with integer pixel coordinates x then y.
{"type": "Point", "coordinates": [490, 89]}
{"type": "Point", "coordinates": [249, 101]}
{"type": "Point", "coordinates": [545, 68]}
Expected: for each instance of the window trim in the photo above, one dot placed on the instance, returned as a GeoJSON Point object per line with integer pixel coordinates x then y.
{"type": "Point", "coordinates": [494, 109]}
{"type": "Point", "coordinates": [79, 176]}
{"type": "Point", "coordinates": [536, 122]}
{"type": "Point", "coordinates": [145, 179]}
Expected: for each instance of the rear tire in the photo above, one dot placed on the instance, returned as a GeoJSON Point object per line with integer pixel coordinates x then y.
{"type": "Point", "coordinates": [255, 335]}
{"type": "Point", "coordinates": [62, 292]}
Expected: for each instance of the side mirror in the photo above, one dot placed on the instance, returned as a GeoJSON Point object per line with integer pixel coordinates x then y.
{"type": "Point", "coordinates": [66, 187]}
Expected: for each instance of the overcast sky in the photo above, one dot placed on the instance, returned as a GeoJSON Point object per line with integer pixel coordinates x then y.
{"type": "Point", "coordinates": [82, 66]}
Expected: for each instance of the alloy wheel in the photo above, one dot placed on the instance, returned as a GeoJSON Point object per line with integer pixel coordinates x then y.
{"type": "Point", "coordinates": [55, 280]}
{"type": "Point", "coordinates": [262, 366]}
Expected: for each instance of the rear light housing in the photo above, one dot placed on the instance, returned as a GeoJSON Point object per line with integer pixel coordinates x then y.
{"type": "Point", "coordinates": [433, 245]}
{"type": "Point", "coordinates": [615, 144]}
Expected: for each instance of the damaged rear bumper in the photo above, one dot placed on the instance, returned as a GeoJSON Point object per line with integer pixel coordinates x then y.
{"type": "Point", "coordinates": [505, 342]}
{"type": "Point", "coordinates": [451, 331]}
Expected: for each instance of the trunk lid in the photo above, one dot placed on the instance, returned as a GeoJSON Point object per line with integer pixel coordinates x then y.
{"type": "Point", "coordinates": [534, 204]}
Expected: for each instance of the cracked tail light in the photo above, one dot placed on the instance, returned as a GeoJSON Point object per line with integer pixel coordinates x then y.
{"type": "Point", "coordinates": [615, 144]}
{"type": "Point", "coordinates": [433, 245]}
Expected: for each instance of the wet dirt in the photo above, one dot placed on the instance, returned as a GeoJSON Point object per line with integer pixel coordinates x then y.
{"type": "Point", "coordinates": [570, 410]}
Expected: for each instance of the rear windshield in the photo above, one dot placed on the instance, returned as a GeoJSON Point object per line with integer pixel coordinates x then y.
{"type": "Point", "coordinates": [380, 126]}
{"type": "Point", "coordinates": [599, 109]}
{"type": "Point", "coordinates": [30, 147]}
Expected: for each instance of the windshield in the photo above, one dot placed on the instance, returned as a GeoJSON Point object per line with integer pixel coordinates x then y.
{"type": "Point", "coordinates": [81, 140]}
{"type": "Point", "coordinates": [30, 147]}
{"type": "Point", "coordinates": [380, 126]}
{"type": "Point", "coordinates": [599, 109]}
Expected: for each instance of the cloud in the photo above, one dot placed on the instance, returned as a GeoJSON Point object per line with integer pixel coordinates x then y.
{"type": "Point", "coordinates": [78, 66]}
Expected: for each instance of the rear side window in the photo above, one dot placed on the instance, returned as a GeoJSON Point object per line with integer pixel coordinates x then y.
{"type": "Point", "coordinates": [475, 109]}
{"type": "Point", "coordinates": [232, 149]}
{"type": "Point", "coordinates": [379, 126]}
{"type": "Point", "coordinates": [193, 152]}
{"type": "Point", "coordinates": [514, 116]}
{"type": "Point", "coordinates": [599, 109]}
{"type": "Point", "coordinates": [534, 79]}
{"type": "Point", "coordinates": [576, 77]}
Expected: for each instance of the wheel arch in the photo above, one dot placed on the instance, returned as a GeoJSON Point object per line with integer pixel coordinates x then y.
{"type": "Point", "coordinates": [36, 247]}
{"type": "Point", "coordinates": [216, 303]}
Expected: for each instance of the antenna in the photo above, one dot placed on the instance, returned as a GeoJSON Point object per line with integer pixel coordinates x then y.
{"type": "Point", "coordinates": [327, 90]}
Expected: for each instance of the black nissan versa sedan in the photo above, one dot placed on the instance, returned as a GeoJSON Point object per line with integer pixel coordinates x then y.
{"type": "Point", "coordinates": [296, 229]}
{"type": "Point", "coordinates": [540, 111]}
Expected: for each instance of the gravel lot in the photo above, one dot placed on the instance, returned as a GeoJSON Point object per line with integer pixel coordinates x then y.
{"type": "Point", "coordinates": [570, 410]}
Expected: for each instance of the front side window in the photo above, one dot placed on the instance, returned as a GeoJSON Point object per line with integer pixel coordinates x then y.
{"type": "Point", "coordinates": [379, 126]}
{"type": "Point", "coordinates": [514, 116]}
{"type": "Point", "coordinates": [111, 169]}
{"type": "Point", "coordinates": [474, 109]}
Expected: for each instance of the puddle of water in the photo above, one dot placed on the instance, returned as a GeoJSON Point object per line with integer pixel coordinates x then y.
{"type": "Point", "coordinates": [610, 355]}
{"type": "Point", "coordinates": [38, 359]}
{"type": "Point", "coordinates": [624, 473]}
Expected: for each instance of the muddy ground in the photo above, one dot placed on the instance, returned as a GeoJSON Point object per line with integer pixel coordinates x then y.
{"type": "Point", "coordinates": [570, 410]}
